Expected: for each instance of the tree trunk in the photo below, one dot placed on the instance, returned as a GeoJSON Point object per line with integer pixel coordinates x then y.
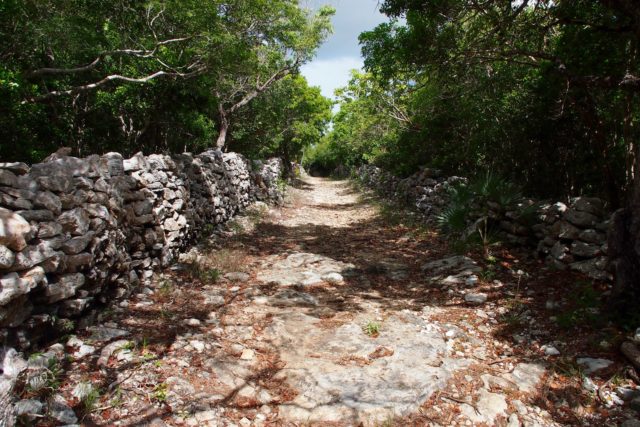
{"type": "Point", "coordinates": [624, 251]}
{"type": "Point", "coordinates": [248, 97]}
{"type": "Point", "coordinates": [224, 128]}
{"type": "Point", "coordinates": [624, 236]}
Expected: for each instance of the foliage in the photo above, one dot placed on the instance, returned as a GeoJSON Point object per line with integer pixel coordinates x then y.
{"type": "Point", "coordinates": [47, 380]}
{"type": "Point", "coordinates": [372, 328]}
{"type": "Point", "coordinates": [585, 308]}
{"type": "Point", "coordinates": [88, 396]}
{"type": "Point", "coordinates": [473, 201]}
{"type": "Point", "coordinates": [209, 275]}
{"type": "Point", "coordinates": [362, 129]}
{"type": "Point", "coordinates": [541, 93]}
{"type": "Point", "coordinates": [455, 217]}
{"type": "Point", "coordinates": [166, 289]}
{"type": "Point", "coordinates": [321, 158]}
{"type": "Point", "coordinates": [130, 345]}
{"type": "Point", "coordinates": [129, 76]}
{"type": "Point", "coordinates": [290, 117]}
{"type": "Point", "coordinates": [160, 392]}
{"type": "Point", "coordinates": [65, 325]}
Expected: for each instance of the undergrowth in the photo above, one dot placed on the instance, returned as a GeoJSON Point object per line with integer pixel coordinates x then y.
{"type": "Point", "coordinates": [372, 328]}
{"type": "Point", "coordinates": [467, 219]}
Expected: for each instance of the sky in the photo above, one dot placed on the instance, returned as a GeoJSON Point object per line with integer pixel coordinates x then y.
{"type": "Point", "coordinates": [341, 52]}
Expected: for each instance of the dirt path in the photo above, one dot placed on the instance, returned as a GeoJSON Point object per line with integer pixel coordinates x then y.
{"type": "Point", "coordinates": [326, 314]}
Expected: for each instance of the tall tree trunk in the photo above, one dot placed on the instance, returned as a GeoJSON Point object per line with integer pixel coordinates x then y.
{"type": "Point", "coordinates": [624, 250]}
{"type": "Point", "coordinates": [248, 97]}
{"type": "Point", "coordinates": [224, 128]}
{"type": "Point", "coordinates": [624, 235]}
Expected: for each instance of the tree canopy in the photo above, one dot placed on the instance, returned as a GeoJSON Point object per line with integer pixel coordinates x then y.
{"type": "Point", "coordinates": [541, 92]}
{"type": "Point", "coordinates": [160, 75]}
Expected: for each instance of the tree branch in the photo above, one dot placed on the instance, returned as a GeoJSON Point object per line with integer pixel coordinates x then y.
{"type": "Point", "coordinates": [139, 53]}
{"type": "Point", "coordinates": [111, 78]}
{"type": "Point", "coordinates": [281, 73]}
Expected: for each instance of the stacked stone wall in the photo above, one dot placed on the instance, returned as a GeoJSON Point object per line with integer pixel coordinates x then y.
{"type": "Point", "coordinates": [569, 235]}
{"type": "Point", "coordinates": [75, 232]}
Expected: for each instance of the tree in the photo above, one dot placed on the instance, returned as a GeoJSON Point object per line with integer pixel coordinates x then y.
{"type": "Point", "coordinates": [275, 39]}
{"type": "Point", "coordinates": [283, 122]}
{"type": "Point", "coordinates": [573, 69]}
{"type": "Point", "coordinates": [130, 75]}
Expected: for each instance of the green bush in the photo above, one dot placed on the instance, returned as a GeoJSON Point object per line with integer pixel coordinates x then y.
{"type": "Point", "coordinates": [466, 218]}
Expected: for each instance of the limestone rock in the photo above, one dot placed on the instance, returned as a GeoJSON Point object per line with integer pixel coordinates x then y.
{"type": "Point", "coordinates": [34, 255]}
{"type": "Point", "coordinates": [526, 376]}
{"type": "Point", "coordinates": [489, 407]}
{"type": "Point", "coordinates": [592, 268]}
{"type": "Point", "coordinates": [180, 386]}
{"type": "Point", "coordinates": [7, 257]}
{"type": "Point", "coordinates": [175, 224]}
{"type": "Point", "coordinates": [11, 363]}
{"type": "Point", "coordinates": [333, 278]}
{"type": "Point", "coordinates": [48, 200]}
{"type": "Point", "coordinates": [16, 312]}
{"type": "Point", "coordinates": [456, 264]}
{"type": "Point", "coordinates": [475, 298]}
{"type": "Point", "coordinates": [101, 185]}
{"type": "Point", "coordinates": [61, 182]}
{"type": "Point", "coordinates": [301, 268]}
{"type": "Point", "coordinates": [74, 263]}
{"type": "Point", "coordinates": [237, 276]}
{"type": "Point", "coordinates": [55, 263]}
{"type": "Point", "coordinates": [14, 203]}
{"type": "Point", "coordinates": [108, 351]}
{"type": "Point", "coordinates": [74, 307]}
{"type": "Point", "coordinates": [77, 244]}
{"type": "Point", "coordinates": [49, 229]}
{"type": "Point", "coordinates": [135, 163]}
{"type": "Point", "coordinates": [64, 288]}
{"type": "Point", "coordinates": [75, 221]}
{"type": "Point", "coordinates": [13, 229]}
{"type": "Point", "coordinates": [28, 409]}
{"type": "Point", "coordinates": [592, 236]}
{"type": "Point", "coordinates": [247, 354]}
{"type": "Point", "coordinates": [581, 219]}
{"type": "Point", "coordinates": [352, 393]}
{"type": "Point", "coordinates": [104, 333]}
{"type": "Point", "coordinates": [37, 215]}
{"type": "Point", "coordinates": [559, 251]}
{"type": "Point", "coordinates": [113, 163]}
{"type": "Point", "coordinates": [197, 345]}
{"type": "Point", "coordinates": [143, 207]}
{"type": "Point", "coordinates": [59, 410]}
{"type": "Point", "coordinates": [565, 230]}
{"type": "Point", "coordinates": [592, 365]}
{"type": "Point", "coordinates": [34, 277]}
{"type": "Point", "coordinates": [8, 178]}
{"type": "Point", "coordinates": [13, 286]}
{"type": "Point", "coordinates": [18, 168]}
{"type": "Point", "coordinates": [590, 205]}
{"type": "Point", "coordinates": [585, 250]}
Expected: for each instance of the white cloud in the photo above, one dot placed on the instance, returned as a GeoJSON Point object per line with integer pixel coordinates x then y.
{"type": "Point", "coordinates": [331, 73]}
{"type": "Point", "coordinates": [341, 52]}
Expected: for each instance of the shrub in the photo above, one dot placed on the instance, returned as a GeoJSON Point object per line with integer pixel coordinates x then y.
{"type": "Point", "coordinates": [466, 219]}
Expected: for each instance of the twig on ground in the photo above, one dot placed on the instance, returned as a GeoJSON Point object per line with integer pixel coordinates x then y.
{"type": "Point", "coordinates": [464, 402]}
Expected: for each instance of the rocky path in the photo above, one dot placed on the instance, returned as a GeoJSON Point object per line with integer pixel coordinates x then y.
{"type": "Point", "coordinates": [318, 313]}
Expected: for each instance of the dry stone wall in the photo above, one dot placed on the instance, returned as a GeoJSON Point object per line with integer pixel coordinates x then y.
{"type": "Point", "coordinates": [75, 232]}
{"type": "Point", "coordinates": [569, 236]}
